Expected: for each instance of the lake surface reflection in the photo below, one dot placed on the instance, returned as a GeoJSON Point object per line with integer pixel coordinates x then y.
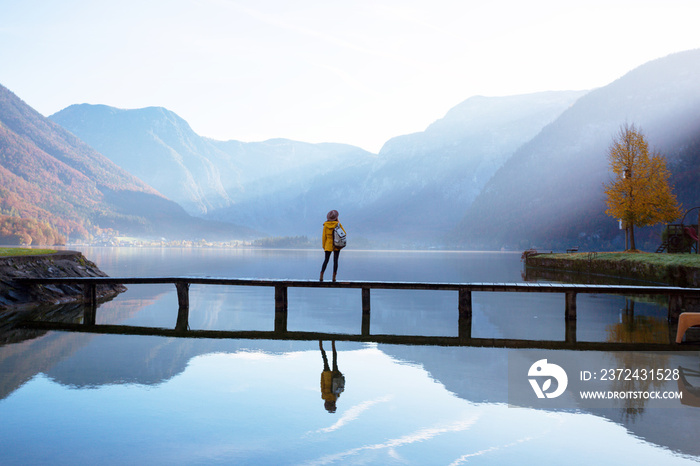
{"type": "Point", "coordinates": [81, 398]}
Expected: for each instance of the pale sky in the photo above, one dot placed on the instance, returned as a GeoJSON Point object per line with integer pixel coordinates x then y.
{"type": "Point", "coordinates": [357, 72]}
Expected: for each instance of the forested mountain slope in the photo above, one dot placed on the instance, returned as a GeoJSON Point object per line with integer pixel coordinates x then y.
{"type": "Point", "coordinates": [48, 174]}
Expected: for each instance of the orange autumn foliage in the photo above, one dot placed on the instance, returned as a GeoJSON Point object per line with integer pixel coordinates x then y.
{"type": "Point", "coordinates": [639, 193]}
{"type": "Point", "coordinates": [26, 231]}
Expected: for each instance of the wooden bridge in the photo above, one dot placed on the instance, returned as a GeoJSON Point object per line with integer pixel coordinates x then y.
{"type": "Point", "coordinates": [678, 297]}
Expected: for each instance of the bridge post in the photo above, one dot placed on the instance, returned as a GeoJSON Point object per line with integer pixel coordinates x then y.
{"type": "Point", "coordinates": [183, 301]}
{"type": "Point", "coordinates": [465, 313]}
{"type": "Point", "coordinates": [183, 294]}
{"type": "Point", "coordinates": [280, 298]}
{"type": "Point", "coordinates": [280, 322]}
{"type": "Point", "coordinates": [183, 319]}
{"type": "Point", "coordinates": [570, 317]}
{"type": "Point", "coordinates": [570, 305]}
{"type": "Point", "coordinates": [90, 303]}
{"type": "Point", "coordinates": [365, 311]}
{"type": "Point", "coordinates": [280, 308]}
{"type": "Point", "coordinates": [570, 331]}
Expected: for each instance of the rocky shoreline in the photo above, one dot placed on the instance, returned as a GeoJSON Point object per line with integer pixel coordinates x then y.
{"type": "Point", "coordinates": [14, 297]}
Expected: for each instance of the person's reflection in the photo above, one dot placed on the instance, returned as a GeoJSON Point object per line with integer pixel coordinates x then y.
{"type": "Point", "coordinates": [332, 381]}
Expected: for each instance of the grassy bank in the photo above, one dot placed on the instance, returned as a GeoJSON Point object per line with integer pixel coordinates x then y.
{"type": "Point", "coordinates": [673, 269]}
{"type": "Point", "coordinates": [11, 252]}
{"type": "Point", "coordinates": [687, 260]}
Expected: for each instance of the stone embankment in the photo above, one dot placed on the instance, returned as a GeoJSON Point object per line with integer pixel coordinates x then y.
{"type": "Point", "coordinates": [643, 267]}
{"type": "Point", "coordinates": [59, 264]}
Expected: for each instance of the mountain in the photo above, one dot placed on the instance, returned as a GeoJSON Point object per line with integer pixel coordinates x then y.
{"type": "Point", "coordinates": [416, 184]}
{"type": "Point", "coordinates": [413, 188]}
{"type": "Point", "coordinates": [425, 181]}
{"type": "Point", "coordinates": [549, 194]}
{"type": "Point", "coordinates": [289, 186]}
{"type": "Point", "coordinates": [159, 147]}
{"type": "Point", "coordinates": [494, 172]}
{"type": "Point", "coordinates": [201, 174]}
{"type": "Point", "coordinates": [48, 174]}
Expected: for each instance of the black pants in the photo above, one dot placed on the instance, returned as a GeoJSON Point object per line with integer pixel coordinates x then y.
{"type": "Point", "coordinates": [325, 358]}
{"type": "Point", "coordinates": [335, 261]}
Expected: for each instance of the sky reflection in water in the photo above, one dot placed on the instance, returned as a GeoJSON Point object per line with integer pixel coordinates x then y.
{"type": "Point", "coordinates": [82, 398]}
{"type": "Point", "coordinates": [256, 407]}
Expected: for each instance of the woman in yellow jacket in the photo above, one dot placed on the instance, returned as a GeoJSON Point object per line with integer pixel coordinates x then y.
{"type": "Point", "coordinates": [327, 242]}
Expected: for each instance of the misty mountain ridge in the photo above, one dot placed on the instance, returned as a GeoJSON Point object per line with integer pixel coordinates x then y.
{"type": "Point", "coordinates": [50, 175]}
{"type": "Point", "coordinates": [159, 147]}
{"type": "Point", "coordinates": [285, 187]}
{"type": "Point", "coordinates": [550, 193]}
{"type": "Point", "coordinates": [201, 174]}
{"type": "Point", "coordinates": [494, 172]}
{"type": "Point", "coordinates": [425, 180]}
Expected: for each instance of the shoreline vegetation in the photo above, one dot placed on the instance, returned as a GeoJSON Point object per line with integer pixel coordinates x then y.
{"type": "Point", "coordinates": [14, 252]}
{"type": "Point", "coordinates": [671, 269]}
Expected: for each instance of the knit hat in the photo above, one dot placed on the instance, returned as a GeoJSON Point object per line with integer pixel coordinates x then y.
{"type": "Point", "coordinates": [332, 215]}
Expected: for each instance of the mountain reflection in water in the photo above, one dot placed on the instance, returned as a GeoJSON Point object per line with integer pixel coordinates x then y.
{"type": "Point", "coordinates": [79, 398]}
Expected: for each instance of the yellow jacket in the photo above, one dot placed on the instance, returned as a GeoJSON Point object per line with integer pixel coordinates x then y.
{"type": "Point", "coordinates": [327, 236]}
{"type": "Point", "coordinates": [332, 385]}
{"type": "Point", "coordinates": [327, 386]}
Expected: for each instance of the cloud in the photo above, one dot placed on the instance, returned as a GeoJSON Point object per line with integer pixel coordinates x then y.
{"type": "Point", "coordinates": [464, 458]}
{"type": "Point", "coordinates": [391, 445]}
{"type": "Point", "coordinates": [353, 413]}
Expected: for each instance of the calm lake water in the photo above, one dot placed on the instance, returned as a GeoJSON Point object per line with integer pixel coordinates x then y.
{"type": "Point", "coordinates": [83, 398]}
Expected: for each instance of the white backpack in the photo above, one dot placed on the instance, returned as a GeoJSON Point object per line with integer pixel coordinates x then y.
{"type": "Point", "coordinates": [339, 237]}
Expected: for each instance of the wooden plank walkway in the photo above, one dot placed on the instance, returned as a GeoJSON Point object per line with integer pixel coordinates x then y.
{"type": "Point", "coordinates": [677, 295]}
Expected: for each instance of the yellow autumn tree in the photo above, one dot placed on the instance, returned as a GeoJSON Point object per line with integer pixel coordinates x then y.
{"type": "Point", "coordinates": [639, 193]}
